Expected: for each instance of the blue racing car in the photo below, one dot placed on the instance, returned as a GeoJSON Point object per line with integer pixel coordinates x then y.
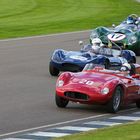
{"type": "Point", "coordinates": [96, 53]}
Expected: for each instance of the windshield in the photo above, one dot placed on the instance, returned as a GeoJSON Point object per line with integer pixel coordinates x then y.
{"type": "Point", "coordinates": [125, 28]}
{"type": "Point", "coordinates": [116, 72]}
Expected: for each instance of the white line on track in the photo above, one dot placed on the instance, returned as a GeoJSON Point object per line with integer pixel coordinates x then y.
{"type": "Point", "coordinates": [129, 118]}
{"type": "Point", "coordinates": [102, 123]}
{"type": "Point", "coordinates": [61, 123]}
{"type": "Point", "coordinates": [41, 36]}
{"type": "Point", "coordinates": [52, 125]}
{"type": "Point", "coordinates": [49, 134]}
{"type": "Point", "coordinates": [75, 128]}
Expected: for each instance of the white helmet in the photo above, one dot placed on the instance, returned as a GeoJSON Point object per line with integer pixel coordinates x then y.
{"type": "Point", "coordinates": [126, 67]}
{"type": "Point", "coordinates": [96, 44]}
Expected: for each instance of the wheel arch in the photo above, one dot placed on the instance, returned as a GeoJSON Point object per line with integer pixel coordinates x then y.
{"type": "Point", "coordinates": [123, 89]}
{"type": "Point", "coordinates": [114, 104]}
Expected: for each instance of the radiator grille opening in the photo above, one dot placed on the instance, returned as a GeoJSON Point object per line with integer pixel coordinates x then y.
{"type": "Point", "coordinates": [76, 95]}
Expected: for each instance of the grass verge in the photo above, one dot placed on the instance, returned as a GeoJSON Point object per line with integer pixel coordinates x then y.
{"type": "Point", "coordinates": [129, 131]}
{"type": "Point", "coordinates": [20, 18]}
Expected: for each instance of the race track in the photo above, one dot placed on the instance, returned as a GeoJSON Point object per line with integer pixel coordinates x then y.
{"type": "Point", "coordinates": [26, 88]}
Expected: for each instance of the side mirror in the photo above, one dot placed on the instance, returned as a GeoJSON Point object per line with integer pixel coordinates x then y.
{"type": "Point", "coordinates": [113, 25]}
{"type": "Point", "coordinates": [81, 43]}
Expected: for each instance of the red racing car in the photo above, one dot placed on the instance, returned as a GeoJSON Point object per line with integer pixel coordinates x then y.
{"type": "Point", "coordinates": [98, 86]}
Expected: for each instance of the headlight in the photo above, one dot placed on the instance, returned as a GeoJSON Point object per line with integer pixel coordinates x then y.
{"type": "Point", "coordinates": [105, 90]}
{"type": "Point", "coordinates": [132, 40]}
{"type": "Point", "coordinates": [60, 83]}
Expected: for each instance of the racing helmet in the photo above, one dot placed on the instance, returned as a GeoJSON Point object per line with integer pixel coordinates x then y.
{"type": "Point", "coordinates": [131, 19]}
{"type": "Point", "coordinates": [125, 67]}
{"type": "Point", "coordinates": [96, 44]}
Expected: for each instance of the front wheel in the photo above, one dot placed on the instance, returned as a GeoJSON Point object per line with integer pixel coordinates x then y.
{"type": "Point", "coordinates": [53, 71]}
{"type": "Point", "coordinates": [61, 102]}
{"type": "Point", "coordinates": [115, 102]}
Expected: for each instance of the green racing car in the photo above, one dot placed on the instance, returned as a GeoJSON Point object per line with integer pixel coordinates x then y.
{"type": "Point", "coordinates": [126, 35]}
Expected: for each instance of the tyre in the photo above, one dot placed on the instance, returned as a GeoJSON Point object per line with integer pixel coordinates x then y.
{"type": "Point", "coordinates": [115, 102]}
{"type": "Point", "coordinates": [138, 103]}
{"type": "Point", "coordinates": [53, 71]}
{"type": "Point", "coordinates": [61, 102]}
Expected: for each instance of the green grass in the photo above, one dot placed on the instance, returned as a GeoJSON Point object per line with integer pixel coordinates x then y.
{"type": "Point", "coordinates": [130, 131]}
{"type": "Point", "coordinates": [36, 17]}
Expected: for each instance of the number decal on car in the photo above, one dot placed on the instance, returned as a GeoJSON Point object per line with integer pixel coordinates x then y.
{"type": "Point", "coordinates": [90, 83]}
{"type": "Point", "coordinates": [116, 36]}
{"type": "Point", "coordinates": [87, 82]}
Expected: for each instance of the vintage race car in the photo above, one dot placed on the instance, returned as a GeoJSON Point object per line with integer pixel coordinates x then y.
{"type": "Point", "coordinates": [98, 86]}
{"type": "Point", "coordinates": [125, 35]}
{"type": "Point", "coordinates": [75, 61]}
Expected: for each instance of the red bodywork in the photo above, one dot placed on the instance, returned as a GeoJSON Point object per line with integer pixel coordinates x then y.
{"type": "Point", "coordinates": [86, 86]}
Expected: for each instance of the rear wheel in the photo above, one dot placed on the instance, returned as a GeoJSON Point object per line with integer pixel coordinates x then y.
{"type": "Point", "coordinates": [53, 71]}
{"type": "Point", "coordinates": [61, 102]}
{"type": "Point", "coordinates": [115, 102]}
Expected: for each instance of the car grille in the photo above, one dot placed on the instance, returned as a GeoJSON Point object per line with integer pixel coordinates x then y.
{"type": "Point", "coordinates": [71, 67]}
{"type": "Point", "coordinates": [76, 95]}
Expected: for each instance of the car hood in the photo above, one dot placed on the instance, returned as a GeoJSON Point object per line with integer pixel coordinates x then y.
{"type": "Point", "coordinates": [95, 77]}
{"type": "Point", "coordinates": [75, 56]}
{"type": "Point", "coordinates": [90, 83]}
{"type": "Point", "coordinates": [87, 81]}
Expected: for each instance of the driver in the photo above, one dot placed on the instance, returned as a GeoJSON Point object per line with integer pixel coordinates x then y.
{"type": "Point", "coordinates": [131, 19]}
{"type": "Point", "coordinates": [96, 45]}
{"type": "Point", "coordinates": [128, 69]}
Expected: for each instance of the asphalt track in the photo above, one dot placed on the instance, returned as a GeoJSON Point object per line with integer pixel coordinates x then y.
{"type": "Point", "coordinates": [26, 88]}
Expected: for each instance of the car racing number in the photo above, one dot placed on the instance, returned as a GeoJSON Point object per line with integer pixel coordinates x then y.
{"type": "Point", "coordinates": [84, 81]}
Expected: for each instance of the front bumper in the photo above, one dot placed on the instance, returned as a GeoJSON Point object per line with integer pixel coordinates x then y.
{"type": "Point", "coordinates": [83, 95]}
